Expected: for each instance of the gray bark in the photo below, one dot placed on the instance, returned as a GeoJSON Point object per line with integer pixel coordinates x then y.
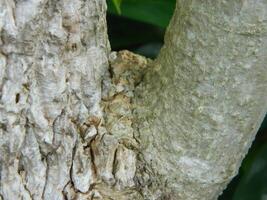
{"type": "Point", "coordinates": [79, 122]}
{"type": "Point", "coordinates": [53, 60]}
{"type": "Point", "coordinates": [205, 98]}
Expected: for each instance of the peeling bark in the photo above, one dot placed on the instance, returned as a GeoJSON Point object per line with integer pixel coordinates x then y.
{"type": "Point", "coordinates": [80, 122]}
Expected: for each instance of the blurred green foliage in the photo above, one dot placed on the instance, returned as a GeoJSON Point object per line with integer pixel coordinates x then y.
{"type": "Point", "coordinates": [253, 183]}
{"type": "Point", "coordinates": [117, 5]}
{"type": "Point", "coordinates": [139, 25]}
{"type": "Point", "coordinates": [156, 12]}
{"type": "Point", "coordinates": [128, 34]}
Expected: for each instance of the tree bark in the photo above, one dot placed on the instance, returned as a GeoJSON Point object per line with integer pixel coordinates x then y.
{"type": "Point", "coordinates": [205, 98]}
{"type": "Point", "coordinates": [53, 60]}
{"type": "Point", "coordinates": [80, 122]}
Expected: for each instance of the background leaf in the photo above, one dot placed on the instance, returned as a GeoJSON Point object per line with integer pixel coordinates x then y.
{"type": "Point", "coordinates": [117, 5]}
{"type": "Point", "coordinates": [125, 33]}
{"type": "Point", "coordinates": [156, 12]}
{"type": "Point", "coordinates": [253, 185]}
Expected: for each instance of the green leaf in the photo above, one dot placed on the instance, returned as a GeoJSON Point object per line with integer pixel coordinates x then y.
{"type": "Point", "coordinates": [156, 12]}
{"type": "Point", "coordinates": [125, 33]}
{"type": "Point", "coordinates": [117, 4]}
{"type": "Point", "coordinates": [253, 185]}
{"type": "Point", "coordinates": [264, 124]}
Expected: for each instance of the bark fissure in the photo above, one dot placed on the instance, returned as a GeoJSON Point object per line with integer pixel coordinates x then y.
{"type": "Point", "coordinates": [46, 177]}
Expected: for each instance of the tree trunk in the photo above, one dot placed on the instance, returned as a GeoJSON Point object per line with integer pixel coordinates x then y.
{"type": "Point", "coordinates": [80, 122]}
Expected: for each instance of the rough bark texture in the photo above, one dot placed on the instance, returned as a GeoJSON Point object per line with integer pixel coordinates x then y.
{"type": "Point", "coordinates": [206, 96]}
{"type": "Point", "coordinates": [52, 62]}
{"type": "Point", "coordinates": [73, 125]}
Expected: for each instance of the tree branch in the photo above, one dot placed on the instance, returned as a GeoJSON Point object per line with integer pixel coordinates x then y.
{"type": "Point", "coordinates": [202, 104]}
